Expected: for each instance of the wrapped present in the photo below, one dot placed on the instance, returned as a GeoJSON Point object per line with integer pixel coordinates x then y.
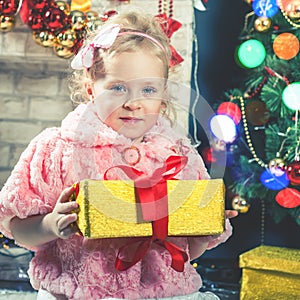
{"type": "Point", "coordinates": [270, 272]}
{"type": "Point", "coordinates": [109, 208]}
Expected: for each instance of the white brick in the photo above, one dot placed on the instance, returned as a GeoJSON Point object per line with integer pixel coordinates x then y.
{"type": "Point", "coordinates": [3, 177]}
{"type": "Point", "coordinates": [15, 153]}
{"type": "Point", "coordinates": [49, 109]}
{"type": "Point", "coordinates": [63, 88]}
{"type": "Point", "coordinates": [47, 86]}
{"type": "Point", "coordinates": [18, 132]}
{"type": "Point", "coordinates": [6, 83]}
{"type": "Point", "coordinates": [12, 107]}
{"type": "Point", "coordinates": [4, 156]}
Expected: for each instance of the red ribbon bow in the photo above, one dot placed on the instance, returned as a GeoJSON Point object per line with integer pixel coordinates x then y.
{"type": "Point", "coordinates": [169, 26]}
{"type": "Point", "coordinates": [152, 194]}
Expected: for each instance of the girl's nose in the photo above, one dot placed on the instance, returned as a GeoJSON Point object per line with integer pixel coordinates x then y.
{"type": "Point", "coordinates": [133, 102]}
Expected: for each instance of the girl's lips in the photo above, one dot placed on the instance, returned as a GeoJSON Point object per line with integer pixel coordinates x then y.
{"type": "Point", "coordinates": [130, 119]}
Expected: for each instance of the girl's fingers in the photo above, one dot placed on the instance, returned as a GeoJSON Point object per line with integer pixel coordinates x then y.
{"type": "Point", "coordinates": [66, 194]}
{"type": "Point", "coordinates": [66, 221]}
{"type": "Point", "coordinates": [231, 214]}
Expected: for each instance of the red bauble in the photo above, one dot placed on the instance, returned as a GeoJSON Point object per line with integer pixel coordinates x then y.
{"type": "Point", "coordinates": [8, 7]}
{"type": "Point", "coordinates": [293, 172]}
{"type": "Point", "coordinates": [55, 18]}
{"type": "Point", "coordinates": [35, 20]}
{"type": "Point", "coordinates": [230, 109]}
{"type": "Point", "coordinates": [42, 4]}
{"type": "Point", "coordinates": [288, 198]}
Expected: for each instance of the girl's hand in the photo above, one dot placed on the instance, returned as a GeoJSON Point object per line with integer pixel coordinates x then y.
{"type": "Point", "coordinates": [62, 217]}
{"type": "Point", "coordinates": [230, 214]}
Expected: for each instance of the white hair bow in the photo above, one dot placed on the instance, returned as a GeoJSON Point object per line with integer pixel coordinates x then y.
{"type": "Point", "coordinates": [104, 40]}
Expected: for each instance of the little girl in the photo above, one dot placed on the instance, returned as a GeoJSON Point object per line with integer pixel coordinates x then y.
{"type": "Point", "coordinates": [121, 79]}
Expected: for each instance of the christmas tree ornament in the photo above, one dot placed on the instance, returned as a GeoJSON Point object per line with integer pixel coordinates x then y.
{"type": "Point", "coordinates": [47, 38]}
{"type": "Point", "coordinates": [8, 7]}
{"type": "Point", "coordinates": [293, 172]}
{"type": "Point", "coordinates": [7, 23]}
{"type": "Point", "coordinates": [94, 25]}
{"type": "Point", "coordinates": [208, 155]}
{"type": "Point", "coordinates": [273, 182]}
{"type": "Point", "coordinates": [251, 53]}
{"type": "Point", "coordinates": [67, 38]}
{"type": "Point", "coordinates": [35, 20]}
{"type": "Point", "coordinates": [265, 8]}
{"type": "Point", "coordinates": [288, 198]}
{"type": "Point", "coordinates": [78, 19]}
{"type": "Point", "coordinates": [36, 37]}
{"type": "Point", "coordinates": [240, 204]}
{"type": "Point", "coordinates": [55, 19]}
{"type": "Point", "coordinates": [230, 109]}
{"type": "Point", "coordinates": [257, 112]}
{"type": "Point", "coordinates": [223, 128]}
{"type": "Point", "coordinates": [290, 9]}
{"type": "Point", "coordinates": [277, 166]}
{"type": "Point", "coordinates": [63, 52]}
{"type": "Point", "coordinates": [286, 45]}
{"type": "Point", "coordinates": [291, 96]}
{"type": "Point", "coordinates": [262, 24]}
{"type": "Point", "coordinates": [64, 6]}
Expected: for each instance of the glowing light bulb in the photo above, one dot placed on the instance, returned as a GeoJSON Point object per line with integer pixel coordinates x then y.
{"type": "Point", "coordinates": [291, 96]}
{"type": "Point", "coordinates": [223, 128]}
{"type": "Point", "coordinates": [251, 53]}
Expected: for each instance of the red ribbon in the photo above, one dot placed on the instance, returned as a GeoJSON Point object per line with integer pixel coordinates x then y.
{"type": "Point", "coordinates": [152, 194]}
{"type": "Point", "coordinates": [169, 26]}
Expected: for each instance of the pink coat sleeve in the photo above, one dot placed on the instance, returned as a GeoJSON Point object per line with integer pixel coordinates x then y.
{"type": "Point", "coordinates": [32, 187]}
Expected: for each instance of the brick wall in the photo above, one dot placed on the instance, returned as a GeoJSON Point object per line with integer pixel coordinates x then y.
{"type": "Point", "coordinates": [33, 89]}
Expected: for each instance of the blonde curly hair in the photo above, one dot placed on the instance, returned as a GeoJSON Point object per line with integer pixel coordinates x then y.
{"type": "Point", "coordinates": [129, 21]}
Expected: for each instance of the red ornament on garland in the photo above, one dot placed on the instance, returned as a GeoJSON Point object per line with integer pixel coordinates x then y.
{"type": "Point", "coordinates": [55, 19]}
{"type": "Point", "coordinates": [8, 7]}
{"type": "Point", "coordinates": [35, 20]}
{"type": "Point", "coordinates": [230, 109]}
{"type": "Point", "coordinates": [293, 172]}
{"type": "Point", "coordinates": [288, 198]}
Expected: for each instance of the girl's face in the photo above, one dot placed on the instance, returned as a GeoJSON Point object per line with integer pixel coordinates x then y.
{"type": "Point", "coordinates": [129, 97]}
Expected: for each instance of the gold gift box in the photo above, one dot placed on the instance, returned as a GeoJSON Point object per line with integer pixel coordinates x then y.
{"type": "Point", "coordinates": [107, 208]}
{"type": "Point", "coordinates": [270, 272]}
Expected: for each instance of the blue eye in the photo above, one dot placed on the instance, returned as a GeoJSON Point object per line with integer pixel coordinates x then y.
{"type": "Point", "coordinates": [149, 90]}
{"type": "Point", "coordinates": [118, 88]}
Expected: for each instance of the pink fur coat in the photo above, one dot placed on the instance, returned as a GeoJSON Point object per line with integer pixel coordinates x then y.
{"type": "Point", "coordinates": [80, 268]}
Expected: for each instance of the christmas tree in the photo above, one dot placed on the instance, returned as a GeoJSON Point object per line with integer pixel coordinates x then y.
{"type": "Point", "coordinates": [263, 155]}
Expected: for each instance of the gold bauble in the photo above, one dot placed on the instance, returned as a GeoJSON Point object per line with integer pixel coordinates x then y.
{"type": "Point", "coordinates": [240, 204]}
{"type": "Point", "coordinates": [7, 23]}
{"type": "Point", "coordinates": [36, 37]}
{"type": "Point", "coordinates": [63, 52]}
{"type": "Point", "coordinates": [67, 38]}
{"type": "Point", "coordinates": [47, 39]}
{"type": "Point", "coordinates": [294, 15]}
{"type": "Point", "coordinates": [91, 15]}
{"type": "Point", "coordinates": [262, 24]}
{"type": "Point", "coordinates": [78, 19]}
{"type": "Point", "coordinates": [64, 6]}
{"type": "Point", "coordinates": [248, 1]}
{"type": "Point", "coordinates": [277, 166]}
{"type": "Point", "coordinates": [93, 25]}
